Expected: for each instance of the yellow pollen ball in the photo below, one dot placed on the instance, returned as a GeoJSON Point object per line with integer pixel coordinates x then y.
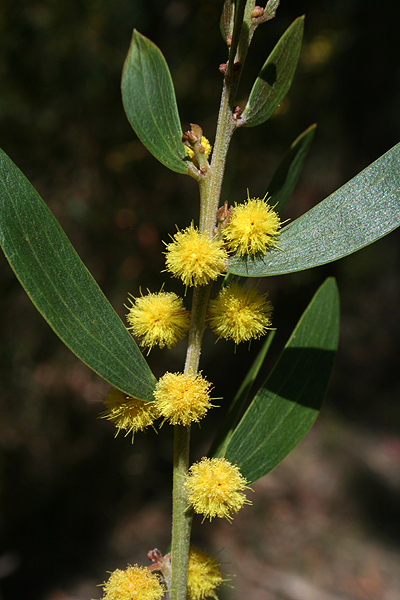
{"type": "Point", "coordinates": [214, 488]}
{"type": "Point", "coordinates": [239, 314]}
{"type": "Point", "coordinates": [182, 399]}
{"type": "Point", "coordinates": [127, 413]}
{"type": "Point", "coordinates": [204, 575]}
{"type": "Point", "coordinates": [206, 145]}
{"type": "Point", "coordinates": [194, 258]}
{"type": "Point", "coordinates": [253, 228]}
{"type": "Point", "coordinates": [135, 583]}
{"type": "Point", "coordinates": [159, 319]}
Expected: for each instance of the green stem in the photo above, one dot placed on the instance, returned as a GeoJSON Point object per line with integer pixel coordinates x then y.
{"type": "Point", "coordinates": [197, 325]}
{"type": "Point", "coordinates": [182, 515]}
{"type": "Point", "coordinates": [210, 185]}
{"type": "Point", "coordinates": [210, 190]}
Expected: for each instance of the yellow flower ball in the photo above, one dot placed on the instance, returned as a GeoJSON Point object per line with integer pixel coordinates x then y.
{"type": "Point", "coordinates": [206, 145]}
{"type": "Point", "coordinates": [135, 583]}
{"type": "Point", "coordinates": [253, 228]}
{"type": "Point", "coordinates": [204, 575]}
{"type": "Point", "coordinates": [127, 413]}
{"type": "Point", "coordinates": [182, 399]}
{"type": "Point", "coordinates": [239, 314]}
{"type": "Point", "coordinates": [159, 319]}
{"type": "Point", "coordinates": [194, 258]}
{"type": "Point", "coordinates": [215, 488]}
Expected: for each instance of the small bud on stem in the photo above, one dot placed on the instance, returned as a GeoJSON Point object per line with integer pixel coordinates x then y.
{"type": "Point", "coordinates": [257, 12]}
{"type": "Point", "coordinates": [237, 113]}
{"type": "Point", "coordinates": [224, 215]}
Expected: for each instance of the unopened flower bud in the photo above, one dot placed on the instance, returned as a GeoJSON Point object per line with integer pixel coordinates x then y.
{"type": "Point", "coordinates": [257, 12]}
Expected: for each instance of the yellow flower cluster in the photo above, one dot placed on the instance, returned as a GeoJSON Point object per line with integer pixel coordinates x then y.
{"type": "Point", "coordinates": [215, 488]}
{"type": "Point", "coordinates": [128, 413]}
{"type": "Point", "coordinates": [182, 399]}
{"type": "Point", "coordinates": [253, 227]}
{"type": "Point", "coordinates": [239, 314]}
{"type": "Point", "coordinates": [204, 575]}
{"type": "Point", "coordinates": [159, 319]}
{"type": "Point", "coordinates": [195, 258]}
{"type": "Point", "coordinates": [139, 583]}
{"type": "Point", "coordinates": [250, 229]}
{"type": "Point", "coordinates": [135, 583]}
{"type": "Point", "coordinates": [206, 145]}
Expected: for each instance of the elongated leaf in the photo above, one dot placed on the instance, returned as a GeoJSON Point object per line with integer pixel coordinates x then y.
{"type": "Point", "coordinates": [63, 290]}
{"type": "Point", "coordinates": [270, 9]}
{"type": "Point", "coordinates": [227, 19]}
{"type": "Point", "coordinates": [232, 18]}
{"type": "Point", "coordinates": [289, 401]}
{"type": "Point", "coordinates": [236, 408]}
{"type": "Point", "coordinates": [238, 24]}
{"type": "Point", "coordinates": [357, 214]}
{"type": "Point", "coordinates": [275, 78]}
{"type": "Point", "coordinates": [289, 170]}
{"type": "Point", "coordinates": [149, 100]}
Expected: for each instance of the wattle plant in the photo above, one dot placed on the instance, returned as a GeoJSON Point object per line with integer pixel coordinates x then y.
{"type": "Point", "coordinates": [222, 247]}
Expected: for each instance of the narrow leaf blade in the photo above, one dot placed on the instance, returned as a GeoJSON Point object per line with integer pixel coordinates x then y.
{"type": "Point", "coordinates": [288, 172]}
{"type": "Point", "coordinates": [227, 19]}
{"type": "Point", "coordinates": [270, 9]}
{"type": "Point", "coordinates": [63, 290]}
{"type": "Point", "coordinates": [288, 403]}
{"type": "Point", "coordinates": [275, 78]}
{"type": "Point", "coordinates": [357, 214]}
{"type": "Point", "coordinates": [240, 7]}
{"type": "Point", "coordinates": [237, 406]}
{"type": "Point", "coordinates": [150, 104]}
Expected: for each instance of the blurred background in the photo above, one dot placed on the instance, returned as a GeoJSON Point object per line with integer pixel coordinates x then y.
{"type": "Point", "coordinates": [75, 502]}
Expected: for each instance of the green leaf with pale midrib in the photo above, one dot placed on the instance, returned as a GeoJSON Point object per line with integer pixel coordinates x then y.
{"type": "Point", "coordinates": [150, 104]}
{"type": "Point", "coordinates": [359, 213]}
{"type": "Point", "coordinates": [63, 290]}
{"type": "Point", "coordinates": [275, 78]}
{"type": "Point", "coordinates": [288, 403]}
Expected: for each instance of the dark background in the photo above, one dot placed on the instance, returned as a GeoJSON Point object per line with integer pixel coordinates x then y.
{"type": "Point", "coordinates": [76, 503]}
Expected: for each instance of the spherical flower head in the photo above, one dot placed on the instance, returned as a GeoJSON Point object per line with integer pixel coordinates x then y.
{"type": "Point", "coordinates": [204, 575]}
{"type": "Point", "coordinates": [182, 399]}
{"type": "Point", "coordinates": [253, 227]}
{"type": "Point", "coordinates": [159, 319]}
{"type": "Point", "coordinates": [135, 583]}
{"type": "Point", "coordinates": [195, 258]}
{"type": "Point", "coordinates": [239, 314]}
{"type": "Point", "coordinates": [206, 145]}
{"type": "Point", "coordinates": [215, 488]}
{"type": "Point", "coordinates": [127, 413]}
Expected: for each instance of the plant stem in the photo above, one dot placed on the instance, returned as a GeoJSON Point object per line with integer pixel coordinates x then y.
{"type": "Point", "coordinates": [210, 190]}
{"type": "Point", "coordinates": [197, 325]}
{"type": "Point", "coordinates": [210, 185]}
{"type": "Point", "coordinates": [182, 515]}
